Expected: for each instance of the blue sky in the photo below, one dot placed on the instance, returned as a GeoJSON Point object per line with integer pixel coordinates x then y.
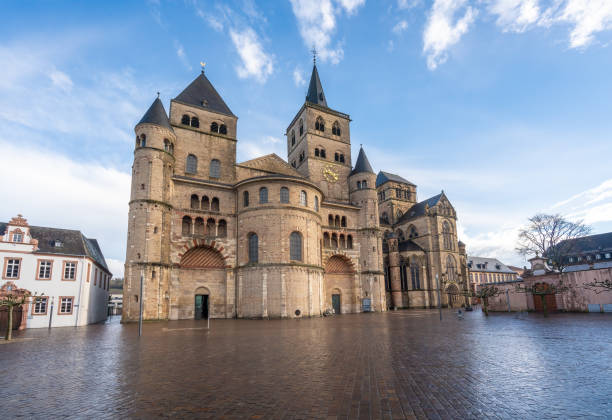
{"type": "Point", "coordinates": [503, 104]}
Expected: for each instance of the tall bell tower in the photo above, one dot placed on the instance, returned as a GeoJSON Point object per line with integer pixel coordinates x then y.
{"type": "Point", "coordinates": [319, 142]}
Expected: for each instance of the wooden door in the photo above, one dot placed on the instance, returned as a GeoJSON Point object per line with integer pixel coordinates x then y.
{"type": "Point", "coordinates": [336, 303]}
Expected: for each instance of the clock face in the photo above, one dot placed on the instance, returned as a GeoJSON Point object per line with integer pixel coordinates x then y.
{"type": "Point", "coordinates": [329, 174]}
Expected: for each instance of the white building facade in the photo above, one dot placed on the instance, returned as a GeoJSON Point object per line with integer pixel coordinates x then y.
{"type": "Point", "coordinates": [63, 268]}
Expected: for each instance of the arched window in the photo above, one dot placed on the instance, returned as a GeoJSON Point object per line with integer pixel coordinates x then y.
{"type": "Point", "coordinates": [316, 152]}
{"type": "Point", "coordinates": [326, 240]}
{"type": "Point", "coordinates": [364, 184]}
{"type": "Point", "coordinates": [334, 240]}
{"type": "Point", "coordinates": [245, 199]}
{"type": "Point", "coordinates": [349, 242]}
{"type": "Point", "coordinates": [319, 124]}
{"type": "Point", "coordinates": [385, 217]}
{"type": "Point", "coordinates": [263, 195]}
{"type": "Point", "coordinates": [253, 248]}
{"type": "Point", "coordinates": [330, 220]}
{"type": "Point", "coordinates": [195, 122]}
{"type": "Point", "coordinates": [303, 198]}
{"type": "Point", "coordinates": [414, 274]}
{"type": "Point", "coordinates": [214, 204]}
{"type": "Point", "coordinates": [323, 153]}
{"type": "Point", "coordinates": [199, 226]}
{"type": "Point", "coordinates": [172, 148]}
{"type": "Point", "coordinates": [447, 236]}
{"type": "Point", "coordinates": [316, 205]}
{"type": "Point", "coordinates": [295, 246]}
{"type": "Point", "coordinates": [215, 168]}
{"type": "Point", "coordinates": [337, 221]}
{"type": "Point", "coordinates": [137, 141]}
{"type": "Point", "coordinates": [342, 242]}
{"type": "Point", "coordinates": [293, 137]}
{"type": "Point", "coordinates": [301, 127]}
{"type": "Point", "coordinates": [341, 158]}
{"type": "Point", "coordinates": [185, 119]}
{"type": "Point", "coordinates": [214, 128]}
{"type": "Point", "coordinates": [343, 221]}
{"type": "Point", "coordinates": [205, 203]}
{"type": "Point", "coordinates": [223, 129]}
{"type": "Point", "coordinates": [451, 270]}
{"type": "Point", "coordinates": [403, 277]}
{"type": "Point", "coordinates": [412, 232]}
{"type": "Point", "coordinates": [358, 185]}
{"type": "Point", "coordinates": [222, 229]}
{"type": "Point", "coordinates": [143, 140]}
{"type": "Point", "coordinates": [191, 166]}
{"type": "Point", "coordinates": [195, 202]}
{"type": "Point", "coordinates": [336, 129]}
{"type": "Point", "coordinates": [284, 195]}
{"type": "Point", "coordinates": [211, 227]}
{"type": "Point", "coordinates": [186, 231]}
{"type": "Point", "coordinates": [337, 156]}
{"type": "Point", "coordinates": [166, 145]}
{"type": "Point", "coordinates": [400, 234]}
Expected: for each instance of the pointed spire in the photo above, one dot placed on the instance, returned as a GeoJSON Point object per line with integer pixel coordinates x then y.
{"type": "Point", "coordinates": [156, 114]}
{"type": "Point", "coordinates": [362, 164]}
{"type": "Point", "coordinates": [315, 90]}
{"type": "Point", "coordinates": [201, 93]}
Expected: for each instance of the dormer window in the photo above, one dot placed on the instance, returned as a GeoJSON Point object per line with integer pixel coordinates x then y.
{"type": "Point", "coordinates": [58, 243]}
{"type": "Point", "coordinates": [17, 237]}
{"type": "Point", "coordinates": [204, 103]}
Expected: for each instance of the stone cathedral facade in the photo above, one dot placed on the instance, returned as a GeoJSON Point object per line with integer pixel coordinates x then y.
{"type": "Point", "coordinates": [211, 237]}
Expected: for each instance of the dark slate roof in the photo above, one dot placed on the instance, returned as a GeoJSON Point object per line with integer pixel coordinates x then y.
{"type": "Point", "coordinates": [73, 243]}
{"type": "Point", "coordinates": [201, 93]}
{"type": "Point", "coordinates": [362, 164]}
{"type": "Point", "coordinates": [488, 265]}
{"type": "Point", "coordinates": [315, 93]}
{"type": "Point", "coordinates": [156, 114]}
{"type": "Point", "coordinates": [408, 245]}
{"type": "Point", "coordinates": [383, 177]}
{"type": "Point", "coordinates": [592, 243]}
{"type": "Point", "coordinates": [419, 208]}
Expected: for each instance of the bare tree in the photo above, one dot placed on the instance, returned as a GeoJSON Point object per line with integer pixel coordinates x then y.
{"type": "Point", "coordinates": [484, 294]}
{"type": "Point", "coordinates": [542, 290]}
{"type": "Point", "coordinates": [599, 286]}
{"type": "Point", "coordinates": [551, 236]}
{"type": "Point", "coordinates": [11, 301]}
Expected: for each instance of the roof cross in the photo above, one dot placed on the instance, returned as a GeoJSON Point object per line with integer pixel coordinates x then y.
{"type": "Point", "coordinates": [314, 55]}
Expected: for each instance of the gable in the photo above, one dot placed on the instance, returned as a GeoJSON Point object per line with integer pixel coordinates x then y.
{"type": "Point", "coordinates": [271, 164]}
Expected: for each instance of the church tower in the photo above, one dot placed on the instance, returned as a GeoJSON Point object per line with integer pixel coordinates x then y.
{"type": "Point", "coordinates": [319, 143]}
{"type": "Point", "coordinates": [150, 216]}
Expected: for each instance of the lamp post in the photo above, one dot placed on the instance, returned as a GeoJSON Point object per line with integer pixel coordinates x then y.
{"type": "Point", "coordinates": [140, 309]}
{"type": "Point", "coordinates": [439, 297]}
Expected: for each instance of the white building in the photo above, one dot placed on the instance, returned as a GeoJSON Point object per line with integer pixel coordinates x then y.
{"type": "Point", "coordinates": [63, 265]}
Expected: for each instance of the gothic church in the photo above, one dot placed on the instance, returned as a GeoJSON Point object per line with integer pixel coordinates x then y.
{"type": "Point", "coordinates": [211, 237]}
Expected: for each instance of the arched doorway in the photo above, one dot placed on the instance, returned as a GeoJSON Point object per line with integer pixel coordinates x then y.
{"type": "Point", "coordinates": [544, 290]}
{"type": "Point", "coordinates": [454, 300]}
{"type": "Point", "coordinates": [202, 283]}
{"type": "Point", "coordinates": [339, 284]}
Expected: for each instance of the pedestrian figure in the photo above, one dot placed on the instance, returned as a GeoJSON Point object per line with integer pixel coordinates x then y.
{"type": "Point", "coordinates": [459, 314]}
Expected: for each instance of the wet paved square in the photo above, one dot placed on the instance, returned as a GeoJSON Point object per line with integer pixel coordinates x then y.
{"type": "Point", "coordinates": [405, 364]}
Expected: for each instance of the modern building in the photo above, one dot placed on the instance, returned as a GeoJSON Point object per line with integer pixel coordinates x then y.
{"type": "Point", "coordinates": [65, 268]}
{"type": "Point", "coordinates": [210, 236]}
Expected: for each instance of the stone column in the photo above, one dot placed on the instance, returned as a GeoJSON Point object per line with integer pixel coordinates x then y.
{"type": "Point", "coordinates": [394, 272]}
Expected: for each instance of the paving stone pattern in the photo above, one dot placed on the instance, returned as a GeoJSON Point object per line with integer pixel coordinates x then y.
{"type": "Point", "coordinates": [404, 364]}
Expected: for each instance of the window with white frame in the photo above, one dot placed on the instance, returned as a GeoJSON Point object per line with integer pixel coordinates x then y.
{"type": "Point", "coordinates": [17, 237]}
{"type": "Point", "coordinates": [303, 198]}
{"type": "Point", "coordinates": [69, 270]}
{"type": "Point", "coordinates": [65, 305]}
{"type": "Point", "coordinates": [12, 268]}
{"type": "Point", "coordinates": [40, 305]}
{"type": "Point", "coordinates": [44, 270]}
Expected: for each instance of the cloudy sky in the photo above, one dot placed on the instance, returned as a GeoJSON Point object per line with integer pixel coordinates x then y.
{"type": "Point", "coordinates": [506, 105]}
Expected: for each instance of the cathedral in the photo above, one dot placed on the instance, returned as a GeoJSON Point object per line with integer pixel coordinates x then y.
{"type": "Point", "coordinates": [269, 238]}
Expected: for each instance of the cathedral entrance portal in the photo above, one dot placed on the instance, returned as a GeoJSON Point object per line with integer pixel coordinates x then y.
{"type": "Point", "coordinates": [202, 304]}
{"type": "Point", "coordinates": [336, 304]}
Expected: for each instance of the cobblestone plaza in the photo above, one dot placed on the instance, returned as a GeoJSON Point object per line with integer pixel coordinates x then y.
{"type": "Point", "coordinates": [404, 364]}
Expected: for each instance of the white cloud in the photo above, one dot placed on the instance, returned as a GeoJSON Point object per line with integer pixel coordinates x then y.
{"type": "Point", "coordinates": [408, 4]}
{"type": "Point", "coordinates": [256, 62]}
{"type": "Point", "coordinates": [115, 266]}
{"type": "Point", "coordinates": [61, 80]}
{"type": "Point", "coordinates": [593, 205]}
{"type": "Point", "coordinates": [400, 27]}
{"type": "Point", "coordinates": [588, 17]}
{"type": "Point", "coordinates": [298, 77]}
{"type": "Point", "coordinates": [515, 15]}
{"type": "Point", "coordinates": [443, 29]}
{"type": "Point", "coordinates": [52, 190]}
{"type": "Point", "coordinates": [317, 23]}
{"type": "Point", "coordinates": [180, 53]}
